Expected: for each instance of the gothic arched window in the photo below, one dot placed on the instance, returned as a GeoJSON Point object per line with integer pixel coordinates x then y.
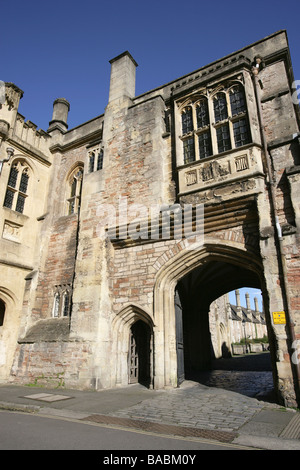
{"type": "Point", "coordinates": [239, 116]}
{"type": "Point", "coordinates": [17, 187]}
{"type": "Point", "coordinates": [95, 160]}
{"type": "Point", "coordinates": [56, 304]}
{"type": "Point", "coordinates": [75, 184]}
{"type": "Point", "coordinates": [204, 133]}
{"type": "Point", "coordinates": [213, 122]}
{"type": "Point", "coordinates": [237, 100]}
{"type": "Point", "coordinates": [202, 113]}
{"type": "Point", "coordinates": [91, 162]}
{"type": "Point", "coordinates": [187, 120]}
{"type": "Point", "coordinates": [62, 301]}
{"type": "Point", "coordinates": [66, 304]}
{"type": "Point", "coordinates": [100, 160]}
{"type": "Point", "coordinates": [220, 107]}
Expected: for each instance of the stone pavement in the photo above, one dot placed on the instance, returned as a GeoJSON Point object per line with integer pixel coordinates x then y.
{"type": "Point", "coordinates": [192, 411]}
{"type": "Point", "coordinates": [231, 403]}
{"type": "Point", "coordinates": [197, 406]}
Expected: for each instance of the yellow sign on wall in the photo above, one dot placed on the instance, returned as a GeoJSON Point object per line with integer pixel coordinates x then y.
{"type": "Point", "coordinates": [279, 318]}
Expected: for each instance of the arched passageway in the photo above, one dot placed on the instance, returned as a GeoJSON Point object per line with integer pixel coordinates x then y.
{"type": "Point", "coordinates": [197, 290]}
{"type": "Point", "coordinates": [194, 295]}
{"type": "Point", "coordinates": [185, 288]}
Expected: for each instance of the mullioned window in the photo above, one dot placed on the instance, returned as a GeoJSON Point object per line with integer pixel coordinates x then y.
{"type": "Point", "coordinates": [215, 124]}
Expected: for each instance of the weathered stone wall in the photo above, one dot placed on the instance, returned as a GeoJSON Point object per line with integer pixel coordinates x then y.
{"type": "Point", "coordinates": [54, 364]}
{"type": "Point", "coordinates": [116, 283]}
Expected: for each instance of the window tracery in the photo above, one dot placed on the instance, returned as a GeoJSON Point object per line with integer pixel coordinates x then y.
{"type": "Point", "coordinates": [61, 301]}
{"type": "Point", "coordinates": [214, 122]}
{"type": "Point", "coordinates": [75, 185]}
{"type": "Point", "coordinates": [95, 160]}
{"type": "Point", "coordinates": [17, 187]}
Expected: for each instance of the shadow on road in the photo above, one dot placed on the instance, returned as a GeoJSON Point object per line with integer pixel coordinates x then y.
{"type": "Point", "coordinates": [247, 362]}
{"type": "Point", "coordinates": [250, 375]}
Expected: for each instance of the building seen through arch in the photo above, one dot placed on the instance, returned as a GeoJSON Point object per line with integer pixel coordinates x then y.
{"type": "Point", "coordinates": [233, 324]}
{"type": "Point", "coordinates": [118, 236]}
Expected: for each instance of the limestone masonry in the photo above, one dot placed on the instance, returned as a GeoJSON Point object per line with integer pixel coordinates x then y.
{"type": "Point", "coordinates": [119, 234]}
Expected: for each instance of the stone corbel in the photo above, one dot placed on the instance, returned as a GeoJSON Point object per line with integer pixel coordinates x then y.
{"type": "Point", "coordinates": [4, 129]}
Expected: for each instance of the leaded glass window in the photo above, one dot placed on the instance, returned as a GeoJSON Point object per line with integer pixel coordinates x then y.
{"type": "Point", "coordinates": [220, 107]}
{"type": "Point", "coordinates": [24, 182]}
{"type": "Point", "coordinates": [17, 187]}
{"type": "Point", "coordinates": [189, 150]}
{"type": "Point", "coordinates": [100, 160]}
{"type": "Point", "coordinates": [73, 187]}
{"type": "Point", "coordinates": [20, 203]}
{"type": "Point", "coordinates": [223, 138]}
{"type": "Point", "coordinates": [241, 132]}
{"type": "Point", "coordinates": [95, 161]}
{"type": "Point", "coordinates": [205, 147]}
{"type": "Point", "coordinates": [91, 162]}
{"type": "Point", "coordinates": [9, 197]}
{"type": "Point", "coordinates": [55, 311]}
{"type": "Point", "coordinates": [13, 176]}
{"type": "Point", "coordinates": [62, 301]}
{"type": "Point", "coordinates": [237, 100]}
{"type": "Point", "coordinates": [66, 302]}
{"type": "Point", "coordinates": [187, 120]}
{"type": "Point", "coordinates": [75, 191]}
{"type": "Point", "coordinates": [214, 122]}
{"type": "Point", "coordinates": [202, 113]}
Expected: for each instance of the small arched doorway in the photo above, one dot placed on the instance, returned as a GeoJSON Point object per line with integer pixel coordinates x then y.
{"type": "Point", "coordinates": [139, 363]}
{"type": "Point", "coordinates": [133, 347]}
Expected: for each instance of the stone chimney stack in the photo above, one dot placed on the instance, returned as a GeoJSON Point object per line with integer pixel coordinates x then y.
{"type": "Point", "coordinates": [61, 108]}
{"type": "Point", "coordinates": [238, 298]}
{"type": "Point", "coordinates": [238, 302]}
{"type": "Point", "coordinates": [122, 77]}
{"type": "Point", "coordinates": [248, 301]}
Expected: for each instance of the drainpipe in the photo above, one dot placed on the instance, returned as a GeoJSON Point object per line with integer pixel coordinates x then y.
{"type": "Point", "coordinates": [277, 232]}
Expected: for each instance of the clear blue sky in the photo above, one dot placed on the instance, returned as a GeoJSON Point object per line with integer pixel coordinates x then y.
{"type": "Point", "coordinates": [62, 48]}
{"type": "Point", "coordinates": [252, 293]}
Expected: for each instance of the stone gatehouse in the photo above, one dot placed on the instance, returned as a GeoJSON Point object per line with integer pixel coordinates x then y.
{"type": "Point", "coordinates": [104, 281]}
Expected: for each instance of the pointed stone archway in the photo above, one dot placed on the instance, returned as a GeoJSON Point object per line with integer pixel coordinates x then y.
{"type": "Point", "coordinates": [217, 268]}
{"type": "Point", "coordinates": [133, 336]}
{"type": "Point", "coordinates": [9, 323]}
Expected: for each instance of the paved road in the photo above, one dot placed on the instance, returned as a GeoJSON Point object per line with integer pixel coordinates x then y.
{"type": "Point", "coordinates": [20, 431]}
{"type": "Point", "coordinates": [195, 405]}
{"type": "Point", "coordinates": [222, 416]}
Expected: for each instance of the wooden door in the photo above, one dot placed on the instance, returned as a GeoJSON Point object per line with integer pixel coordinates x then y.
{"type": "Point", "coordinates": [133, 359]}
{"type": "Point", "coordinates": [139, 353]}
{"type": "Point", "coordinates": [179, 338]}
